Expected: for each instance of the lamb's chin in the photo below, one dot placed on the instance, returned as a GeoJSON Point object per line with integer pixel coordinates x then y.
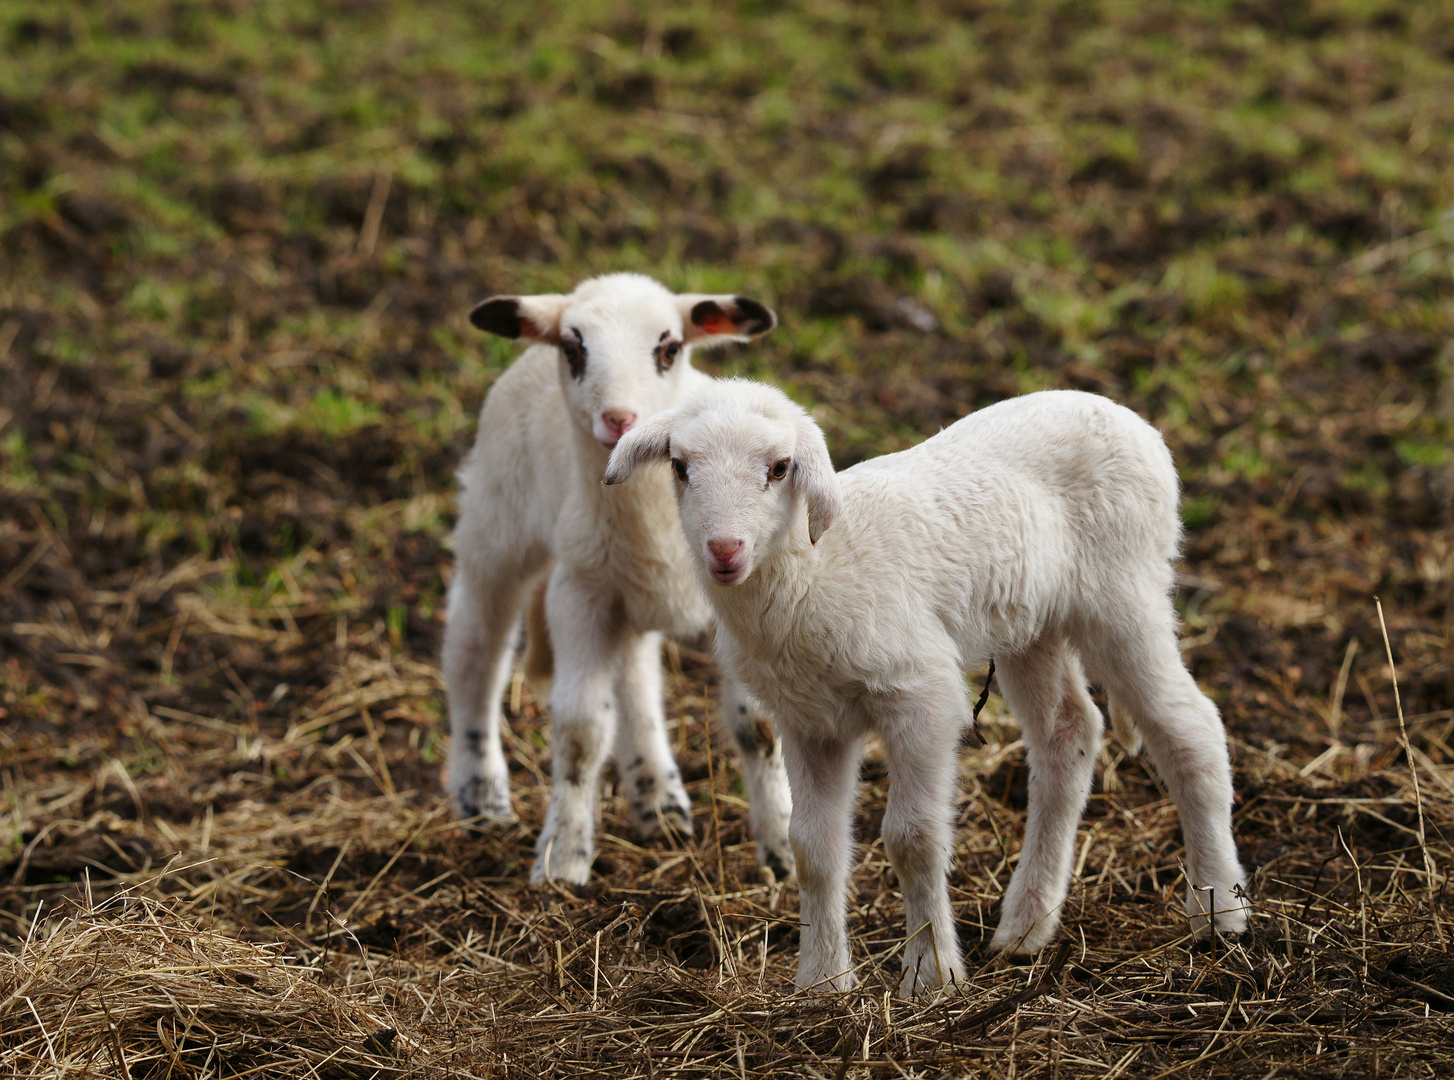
{"type": "Point", "coordinates": [735, 576]}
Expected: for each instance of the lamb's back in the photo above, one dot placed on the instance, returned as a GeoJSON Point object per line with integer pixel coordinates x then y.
{"type": "Point", "coordinates": [1007, 520]}
{"type": "Point", "coordinates": [516, 477]}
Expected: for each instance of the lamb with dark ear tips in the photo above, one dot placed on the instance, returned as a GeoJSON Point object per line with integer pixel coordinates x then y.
{"type": "Point", "coordinates": [754, 318]}
{"type": "Point", "coordinates": [738, 317]}
{"type": "Point", "coordinates": [612, 564]}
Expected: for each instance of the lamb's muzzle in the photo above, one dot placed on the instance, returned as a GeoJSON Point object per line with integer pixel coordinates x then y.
{"type": "Point", "coordinates": [617, 422]}
{"type": "Point", "coordinates": [725, 560]}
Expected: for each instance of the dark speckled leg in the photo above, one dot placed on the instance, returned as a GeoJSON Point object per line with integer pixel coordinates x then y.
{"type": "Point", "coordinates": [760, 758]}
{"type": "Point", "coordinates": [656, 802]}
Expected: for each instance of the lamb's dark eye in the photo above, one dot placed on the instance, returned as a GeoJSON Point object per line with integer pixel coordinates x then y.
{"type": "Point", "coordinates": [779, 469]}
{"type": "Point", "coordinates": [666, 354]}
{"type": "Point", "coordinates": [574, 351]}
{"type": "Point", "coordinates": [680, 468]}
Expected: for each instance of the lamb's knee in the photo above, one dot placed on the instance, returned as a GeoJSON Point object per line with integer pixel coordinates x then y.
{"type": "Point", "coordinates": [463, 639]}
{"type": "Point", "coordinates": [1078, 722]}
{"type": "Point", "coordinates": [820, 858]}
{"type": "Point", "coordinates": [1192, 746]}
{"type": "Point", "coordinates": [915, 845]}
{"type": "Point", "coordinates": [752, 734]}
{"type": "Point", "coordinates": [580, 749]}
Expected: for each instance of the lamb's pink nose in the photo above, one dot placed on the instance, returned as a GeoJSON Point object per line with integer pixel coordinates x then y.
{"type": "Point", "coordinates": [724, 550]}
{"type": "Point", "coordinates": [618, 422]}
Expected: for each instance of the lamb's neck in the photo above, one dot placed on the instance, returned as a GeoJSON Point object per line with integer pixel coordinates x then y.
{"type": "Point", "coordinates": [644, 507]}
{"type": "Point", "coordinates": [590, 456]}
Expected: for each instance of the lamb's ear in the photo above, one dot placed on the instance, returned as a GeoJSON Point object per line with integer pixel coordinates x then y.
{"type": "Point", "coordinates": [711, 320]}
{"type": "Point", "coordinates": [534, 318]}
{"type": "Point", "coordinates": [816, 481]}
{"type": "Point", "coordinates": [650, 441]}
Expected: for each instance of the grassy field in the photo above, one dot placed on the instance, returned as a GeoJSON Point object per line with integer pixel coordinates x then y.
{"type": "Point", "coordinates": [238, 242]}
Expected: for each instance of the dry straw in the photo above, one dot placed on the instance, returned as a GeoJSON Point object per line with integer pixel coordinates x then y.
{"type": "Point", "coordinates": [131, 987]}
{"type": "Point", "coordinates": [315, 907]}
{"type": "Point", "coordinates": [1431, 877]}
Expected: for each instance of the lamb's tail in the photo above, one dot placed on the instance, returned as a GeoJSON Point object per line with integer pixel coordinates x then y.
{"type": "Point", "coordinates": [1123, 724]}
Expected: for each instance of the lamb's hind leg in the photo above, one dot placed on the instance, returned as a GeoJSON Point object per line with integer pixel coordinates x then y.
{"type": "Point", "coordinates": [479, 640]}
{"type": "Point", "coordinates": [760, 757]}
{"type": "Point", "coordinates": [650, 781]}
{"type": "Point", "coordinates": [1140, 664]}
{"type": "Point", "coordinates": [1045, 686]}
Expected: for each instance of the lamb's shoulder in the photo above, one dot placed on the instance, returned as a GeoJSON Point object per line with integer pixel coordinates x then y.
{"type": "Point", "coordinates": [945, 566]}
{"type": "Point", "coordinates": [909, 531]}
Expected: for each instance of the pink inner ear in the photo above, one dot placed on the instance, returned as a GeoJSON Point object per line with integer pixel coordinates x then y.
{"type": "Point", "coordinates": [528, 328]}
{"type": "Point", "coordinates": [716, 324]}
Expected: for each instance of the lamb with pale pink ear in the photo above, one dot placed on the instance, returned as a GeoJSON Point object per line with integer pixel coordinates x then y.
{"type": "Point", "coordinates": [1041, 532]}
{"type": "Point", "coordinates": [598, 575]}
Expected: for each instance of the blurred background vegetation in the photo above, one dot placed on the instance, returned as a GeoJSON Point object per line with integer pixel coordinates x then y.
{"type": "Point", "coordinates": [239, 241]}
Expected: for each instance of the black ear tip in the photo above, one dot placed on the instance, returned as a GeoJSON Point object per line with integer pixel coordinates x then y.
{"type": "Point", "coordinates": [498, 315]}
{"type": "Point", "coordinates": [702, 310]}
{"type": "Point", "coordinates": [755, 318]}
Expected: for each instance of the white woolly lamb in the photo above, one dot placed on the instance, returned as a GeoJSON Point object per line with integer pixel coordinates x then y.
{"type": "Point", "coordinates": [619, 573]}
{"type": "Point", "coordinates": [1040, 532]}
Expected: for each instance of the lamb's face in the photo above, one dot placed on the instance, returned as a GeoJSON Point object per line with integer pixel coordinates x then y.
{"type": "Point", "coordinates": [624, 343]}
{"type": "Point", "coordinates": [752, 473]}
{"type": "Point", "coordinates": [734, 490]}
{"type": "Point", "coordinates": [619, 364]}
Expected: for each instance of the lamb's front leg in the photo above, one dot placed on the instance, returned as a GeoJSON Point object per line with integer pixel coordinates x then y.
{"type": "Point", "coordinates": [479, 638]}
{"type": "Point", "coordinates": [760, 757]}
{"type": "Point", "coordinates": [823, 775]}
{"type": "Point", "coordinates": [918, 833]}
{"type": "Point", "coordinates": [588, 641]}
{"type": "Point", "coordinates": [650, 781]}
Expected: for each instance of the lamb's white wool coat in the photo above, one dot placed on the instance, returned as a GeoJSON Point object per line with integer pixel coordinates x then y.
{"type": "Point", "coordinates": [533, 510]}
{"type": "Point", "coordinates": [1040, 532]}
